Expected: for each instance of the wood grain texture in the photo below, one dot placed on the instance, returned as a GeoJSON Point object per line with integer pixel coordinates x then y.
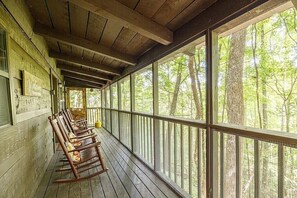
{"type": "Point", "coordinates": [26, 147]}
{"type": "Point", "coordinates": [86, 72]}
{"type": "Point", "coordinates": [129, 18]}
{"type": "Point", "coordinates": [84, 62]}
{"type": "Point", "coordinates": [82, 43]}
{"type": "Point", "coordinates": [126, 177]}
{"type": "Point", "coordinates": [83, 78]}
{"type": "Point", "coordinates": [210, 18]}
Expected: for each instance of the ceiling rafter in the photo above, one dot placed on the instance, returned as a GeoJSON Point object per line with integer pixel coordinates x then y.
{"type": "Point", "coordinates": [84, 44]}
{"type": "Point", "coordinates": [85, 72]}
{"type": "Point", "coordinates": [84, 63]}
{"type": "Point", "coordinates": [130, 19]}
{"type": "Point", "coordinates": [83, 78]}
{"type": "Point", "coordinates": [294, 3]}
{"type": "Point", "coordinates": [70, 82]}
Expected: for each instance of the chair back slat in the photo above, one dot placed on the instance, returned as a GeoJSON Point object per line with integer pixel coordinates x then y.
{"type": "Point", "coordinates": [61, 139]}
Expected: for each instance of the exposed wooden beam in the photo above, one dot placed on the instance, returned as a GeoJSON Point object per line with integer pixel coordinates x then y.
{"type": "Point", "coordinates": [211, 18]}
{"type": "Point", "coordinates": [131, 19]}
{"type": "Point", "coordinates": [294, 3]}
{"type": "Point", "coordinates": [85, 72]}
{"type": "Point", "coordinates": [83, 78]}
{"type": "Point", "coordinates": [84, 44]}
{"type": "Point", "coordinates": [69, 82]}
{"type": "Point", "coordinates": [84, 63]}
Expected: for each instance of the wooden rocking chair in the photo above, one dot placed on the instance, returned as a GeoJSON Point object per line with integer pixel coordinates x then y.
{"type": "Point", "coordinates": [74, 128]}
{"type": "Point", "coordinates": [74, 139]}
{"type": "Point", "coordinates": [82, 122]}
{"type": "Point", "coordinates": [90, 157]}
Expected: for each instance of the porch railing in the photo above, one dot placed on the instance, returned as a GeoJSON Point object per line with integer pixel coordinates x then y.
{"type": "Point", "coordinates": [93, 115]}
{"type": "Point", "coordinates": [177, 150]}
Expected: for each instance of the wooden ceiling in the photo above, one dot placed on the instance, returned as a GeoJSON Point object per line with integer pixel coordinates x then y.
{"type": "Point", "coordinates": [97, 39]}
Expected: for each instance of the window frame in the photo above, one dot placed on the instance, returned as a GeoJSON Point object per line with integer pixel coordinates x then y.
{"type": "Point", "coordinates": [8, 75]}
{"type": "Point", "coordinates": [81, 98]}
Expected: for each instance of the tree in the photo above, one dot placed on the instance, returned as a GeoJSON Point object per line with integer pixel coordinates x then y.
{"type": "Point", "coordinates": [235, 106]}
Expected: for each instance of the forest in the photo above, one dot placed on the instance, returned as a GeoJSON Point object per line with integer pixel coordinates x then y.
{"type": "Point", "coordinates": [256, 79]}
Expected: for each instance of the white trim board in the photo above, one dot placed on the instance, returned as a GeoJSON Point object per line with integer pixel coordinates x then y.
{"type": "Point", "coordinates": [31, 114]}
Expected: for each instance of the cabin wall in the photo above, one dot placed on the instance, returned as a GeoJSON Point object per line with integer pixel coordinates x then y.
{"type": "Point", "coordinates": [26, 147]}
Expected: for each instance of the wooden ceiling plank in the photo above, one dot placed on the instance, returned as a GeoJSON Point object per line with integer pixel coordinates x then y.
{"type": "Point", "coordinates": [83, 78]}
{"type": "Point", "coordinates": [85, 72]}
{"type": "Point", "coordinates": [189, 13]}
{"type": "Point", "coordinates": [58, 10]}
{"type": "Point", "coordinates": [78, 83]}
{"type": "Point", "coordinates": [138, 43]}
{"type": "Point", "coordinates": [148, 9]}
{"type": "Point", "coordinates": [83, 44]}
{"type": "Point", "coordinates": [84, 63]}
{"type": "Point", "coordinates": [39, 11]}
{"type": "Point", "coordinates": [78, 22]}
{"type": "Point", "coordinates": [94, 32]}
{"type": "Point", "coordinates": [129, 18]}
{"type": "Point", "coordinates": [294, 3]}
{"type": "Point", "coordinates": [169, 10]}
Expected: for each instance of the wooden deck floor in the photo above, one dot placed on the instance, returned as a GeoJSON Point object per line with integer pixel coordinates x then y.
{"type": "Point", "coordinates": [126, 177]}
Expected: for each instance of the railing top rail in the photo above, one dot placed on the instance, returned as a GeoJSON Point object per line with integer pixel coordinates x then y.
{"type": "Point", "coordinates": [288, 139]}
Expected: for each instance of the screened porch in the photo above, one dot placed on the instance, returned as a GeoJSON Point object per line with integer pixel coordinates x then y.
{"type": "Point", "coordinates": [171, 98]}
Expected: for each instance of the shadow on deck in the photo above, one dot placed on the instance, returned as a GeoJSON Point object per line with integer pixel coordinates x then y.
{"type": "Point", "coordinates": [126, 177]}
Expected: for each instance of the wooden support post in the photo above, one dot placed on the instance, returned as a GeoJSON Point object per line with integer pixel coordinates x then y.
{"type": "Point", "coordinates": [156, 121]}
{"type": "Point", "coordinates": [211, 115]}
{"type": "Point", "coordinates": [257, 169]}
{"type": "Point", "coordinates": [111, 105]}
{"type": "Point", "coordinates": [120, 107]}
{"type": "Point", "coordinates": [280, 171]}
{"type": "Point", "coordinates": [132, 109]}
{"type": "Point", "coordinates": [238, 166]}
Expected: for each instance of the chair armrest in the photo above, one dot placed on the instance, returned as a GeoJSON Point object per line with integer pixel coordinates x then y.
{"type": "Point", "coordinates": [86, 147]}
{"type": "Point", "coordinates": [84, 138]}
{"type": "Point", "coordinates": [84, 130]}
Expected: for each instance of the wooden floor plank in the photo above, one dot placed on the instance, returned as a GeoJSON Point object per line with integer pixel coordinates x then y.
{"type": "Point", "coordinates": [128, 163]}
{"type": "Point", "coordinates": [118, 186]}
{"type": "Point", "coordinates": [128, 156]}
{"type": "Point", "coordinates": [125, 180]}
{"type": "Point", "coordinates": [127, 176]}
{"type": "Point", "coordinates": [143, 190]}
{"type": "Point", "coordinates": [96, 186]}
{"type": "Point", "coordinates": [41, 190]}
{"type": "Point", "coordinates": [64, 188]}
{"type": "Point", "coordinates": [52, 188]}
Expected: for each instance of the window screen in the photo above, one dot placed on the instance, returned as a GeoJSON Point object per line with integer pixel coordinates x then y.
{"type": "Point", "coordinates": [3, 62]}
{"type": "Point", "coordinates": [4, 102]}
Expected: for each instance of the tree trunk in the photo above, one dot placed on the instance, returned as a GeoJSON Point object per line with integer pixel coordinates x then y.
{"type": "Point", "coordinates": [265, 147]}
{"type": "Point", "coordinates": [172, 110]}
{"type": "Point", "coordinates": [176, 90]}
{"type": "Point", "coordinates": [235, 107]}
{"type": "Point", "coordinates": [195, 86]}
{"type": "Point", "coordinates": [254, 47]}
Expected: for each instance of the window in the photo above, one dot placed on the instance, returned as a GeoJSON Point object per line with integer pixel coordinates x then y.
{"type": "Point", "coordinates": [114, 92]}
{"type": "Point", "coordinates": [103, 97]}
{"type": "Point", "coordinates": [182, 82]}
{"type": "Point", "coordinates": [125, 94]}
{"type": "Point", "coordinates": [93, 98]}
{"type": "Point", "coordinates": [257, 75]}
{"type": "Point", "coordinates": [143, 82]}
{"type": "Point", "coordinates": [5, 113]}
{"type": "Point", "coordinates": [257, 87]}
{"type": "Point", "coordinates": [107, 97]}
{"type": "Point", "coordinates": [76, 99]}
